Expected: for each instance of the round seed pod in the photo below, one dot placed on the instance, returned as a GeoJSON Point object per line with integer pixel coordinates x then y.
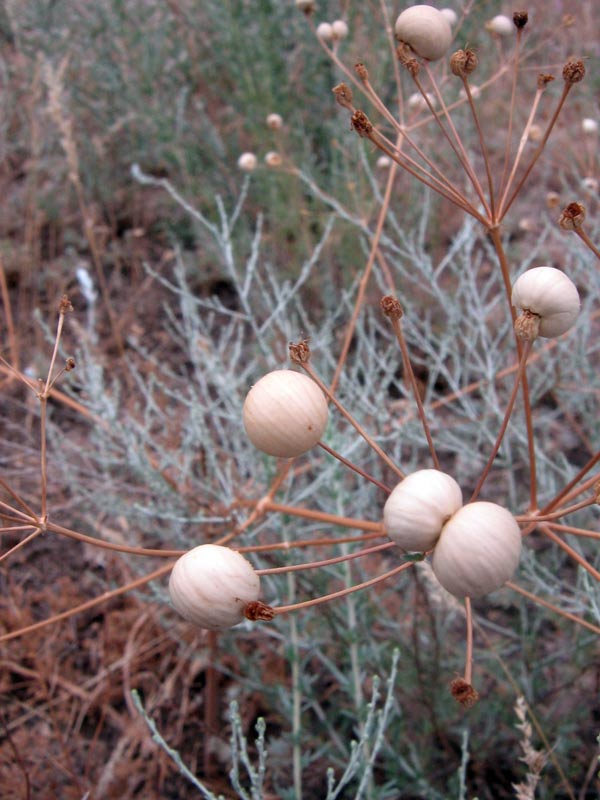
{"type": "Point", "coordinates": [274, 121]}
{"type": "Point", "coordinates": [450, 15]}
{"type": "Point", "coordinates": [426, 30]}
{"type": "Point", "coordinates": [501, 25]}
{"type": "Point", "coordinates": [247, 162]}
{"type": "Point", "coordinates": [273, 159]}
{"type": "Point", "coordinates": [285, 413]}
{"type": "Point", "coordinates": [211, 585]}
{"type": "Point", "coordinates": [478, 550]}
{"type": "Point", "coordinates": [549, 294]}
{"type": "Point", "coordinates": [339, 29]}
{"type": "Point", "coordinates": [325, 31]}
{"type": "Point", "coordinates": [418, 507]}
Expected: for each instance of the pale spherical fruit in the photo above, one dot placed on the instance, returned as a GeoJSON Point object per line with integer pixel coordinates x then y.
{"type": "Point", "coordinates": [247, 162]}
{"type": "Point", "coordinates": [339, 29]}
{"type": "Point", "coordinates": [418, 507]}
{"type": "Point", "coordinates": [285, 413]}
{"type": "Point", "coordinates": [551, 295]}
{"type": "Point", "coordinates": [274, 121]}
{"type": "Point", "coordinates": [478, 550]}
{"type": "Point", "coordinates": [426, 30]}
{"type": "Point", "coordinates": [325, 31]}
{"type": "Point", "coordinates": [211, 585]}
{"type": "Point", "coordinates": [450, 15]}
{"type": "Point", "coordinates": [501, 25]}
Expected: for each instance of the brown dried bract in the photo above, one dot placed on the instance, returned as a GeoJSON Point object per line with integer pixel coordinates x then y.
{"type": "Point", "coordinates": [527, 326]}
{"type": "Point", "coordinates": [391, 307]}
{"type": "Point", "coordinates": [463, 692]}
{"type": "Point", "coordinates": [300, 351]}
{"type": "Point", "coordinates": [65, 305]}
{"type": "Point", "coordinates": [520, 19]}
{"type": "Point", "coordinates": [69, 364]}
{"type": "Point", "coordinates": [463, 62]}
{"type": "Point", "coordinates": [257, 610]}
{"type": "Point", "coordinates": [343, 94]}
{"type": "Point", "coordinates": [407, 58]}
{"type": "Point", "coordinates": [573, 70]}
{"type": "Point", "coordinates": [572, 217]}
{"type": "Point", "coordinates": [361, 71]}
{"type": "Point", "coordinates": [544, 78]}
{"type": "Point", "coordinates": [361, 124]}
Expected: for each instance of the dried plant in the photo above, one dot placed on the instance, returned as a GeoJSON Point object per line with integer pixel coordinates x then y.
{"type": "Point", "coordinates": [430, 356]}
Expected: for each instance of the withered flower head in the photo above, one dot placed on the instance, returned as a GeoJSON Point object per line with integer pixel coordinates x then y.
{"type": "Point", "coordinates": [572, 217]}
{"type": "Point", "coordinates": [463, 62]}
{"type": "Point", "coordinates": [343, 94]}
{"type": "Point", "coordinates": [544, 78]}
{"type": "Point", "coordinates": [463, 692]}
{"type": "Point", "coordinates": [361, 124]}
{"type": "Point", "coordinates": [391, 307]}
{"type": "Point", "coordinates": [520, 19]}
{"type": "Point", "coordinates": [573, 70]}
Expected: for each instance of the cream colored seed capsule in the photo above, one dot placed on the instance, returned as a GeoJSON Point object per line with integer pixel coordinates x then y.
{"type": "Point", "coordinates": [247, 162]}
{"type": "Point", "coordinates": [418, 507]}
{"type": "Point", "coordinates": [339, 29]}
{"type": "Point", "coordinates": [426, 30]}
{"type": "Point", "coordinates": [325, 31]}
{"type": "Point", "coordinates": [285, 413]}
{"type": "Point", "coordinates": [273, 159]}
{"type": "Point", "coordinates": [549, 294]}
{"type": "Point", "coordinates": [211, 585]}
{"type": "Point", "coordinates": [450, 15]}
{"type": "Point", "coordinates": [501, 25]}
{"type": "Point", "coordinates": [478, 550]}
{"type": "Point", "coordinates": [589, 126]}
{"type": "Point", "coordinates": [274, 121]}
